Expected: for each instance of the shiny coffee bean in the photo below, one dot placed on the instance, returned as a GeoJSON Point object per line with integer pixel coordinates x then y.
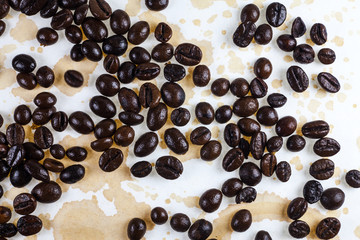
{"type": "Point", "coordinates": [283, 171]}
{"type": "Point", "coordinates": [77, 154]}
{"type": "Point", "coordinates": [328, 82]}
{"type": "Point", "coordinates": [244, 146]}
{"type": "Point", "coordinates": [76, 53]}
{"type": "Point", "coordinates": [297, 208]}
{"type": "Point", "coordinates": [68, 4]}
{"type": "Point", "coordinates": [129, 100]}
{"type": "Point", "coordinates": [62, 19]}
{"type": "Point", "coordinates": [147, 71]}
{"type": "Point", "coordinates": [299, 229]}
{"type": "Point", "coordinates": [268, 164]}
{"type": "Point", "coordinates": [220, 87]}
{"type": "Point", "coordinates": [328, 228]}
{"type": "Point", "coordinates": [172, 94]}
{"type": "Point", "coordinates": [241, 221]}
{"type": "Point", "coordinates": [274, 144]}
{"type": "Point", "coordinates": [257, 145]}
{"type": "Point", "coordinates": [139, 55]}
{"type": "Point", "coordinates": [233, 159]}
{"type": "Point", "coordinates": [248, 126]}
{"type": "Point", "coordinates": [232, 135]}
{"type": "Point", "coordinates": [315, 129]}
{"type": "Point", "coordinates": [286, 126]}
{"type": "Point", "coordinates": [53, 165]}
{"type": "Point", "coordinates": [116, 45]}
{"type": "Point", "coordinates": [176, 141]}
{"type": "Point", "coordinates": [80, 14]}
{"type": "Point", "coordinates": [174, 72]}
{"type": "Point", "coordinates": [188, 54]}
{"type": "Point", "coordinates": [42, 116]}
{"type": "Point", "coordinates": [15, 4]}
{"type": "Point", "coordinates": [72, 174]}
{"type": "Point", "coordinates": [298, 28]}
{"type": "Point", "coordinates": [304, 54]}
{"type": "Point", "coordinates": [26, 80]}
{"type": "Point", "coordinates": [32, 151]}
{"type": "Point", "coordinates": [100, 9]}
{"type": "Point", "coordinates": [91, 50]}
{"type": "Point", "coordinates": [131, 118]}
{"type": "Point", "coordinates": [201, 76]}
{"type": "Point", "coordinates": [246, 106]}
{"type": "Point", "coordinates": [352, 178]}
{"type": "Point", "coordinates": [102, 144]}
{"type": "Point", "coordinates": [200, 136]}
{"type": "Point", "coordinates": [136, 229]}
{"type": "Point", "coordinates": [59, 121]}
{"type": "Point", "coordinates": [47, 36]}
{"type": "Point", "coordinates": [22, 114]}
{"type": "Point", "coordinates": [326, 147]}
{"type": "Point", "coordinates": [29, 7]}
{"type": "Point", "coordinates": [210, 200]}
{"type": "Point", "coordinates": [141, 169]}
{"type": "Point", "coordinates": [326, 56]}
{"type": "Point", "coordinates": [36, 170]}
{"type": "Point", "coordinates": [111, 160]}
{"type": "Point", "coordinates": [211, 150]}
{"type": "Point", "coordinates": [276, 100]}
{"type": "Point", "coordinates": [24, 204]}
{"type": "Point", "coordinates": [223, 114]}
{"type": "Point", "coordinates": [276, 14]}
{"type": "Point", "coordinates": [169, 167]}
{"type": "Point", "coordinates": [239, 87]}
{"type": "Point", "coordinates": [105, 128]}
{"type": "Point", "coordinates": [73, 34]}
{"type": "Point", "coordinates": [23, 63]}
{"type": "Point", "coordinates": [3, 150]}
{"type": "Point", "coordinates": [45, 76]}
{"type": "Point", "coordinates": [19, 177]}
{"type": "Point", "coordinates": [180, 116]}
{"type": "Point", "coordinates": [286, 42]}
{"type": "Point", "coordinates": [149, 95]}
{"type": "Point", "coordinates": [204, 113]}
{"type": "Point", "coordinates": [162, 52]}
{"type": "Point", "coordinates": [107, 85]}
{"type": "Point", "coordinates": [156, 5]}
{"type": "Point", "coordinates": [2, 27]}
{"type": "Point", "coordinates": [200, 229]}
{"type": "Point", "coordinates": [47, 192]}
{"type": "Point", "coordinates": [102, 107]}
{"type": "Point", "coordinates": [8, 230]}
{"type": "Point", "coordinates": [263, 34]}
{"type": "Point", "coordinates": [180, 222]}
{"type": "Point", "coordinates": [74, 78]}
{"type": "Point", "coordinates": [15, 134]}
{"type": "Point", "coordinates": [81, 122]}
{"type": "Point", "coordinates": [111, 64]}
{"type": "Point", "coordinates": [295, 143]}
{"type": "Point", "coordinates": [4, 9]}
{"type": "Point", "coordinates": [258, 88]}
{"type": "Point", "coordinates": [263, 68]}
{"type": "Point", "coordinates": [138, 32]}
{"type": "Point", "coordinates": [263, 235]}
{"type": "Point", "coordinates": [318, 33]}
{"type": "Point", "coordinates": [322, 169]}
{"type": "Point", "coordinates": [244, 34]}
{"type": "Point", "coordinates": [29, 225]}
{"type": "Point", "coordinates": [312, 191]}
{"type": "Point", "coordinates": [250, 12]}
{"type": "Point", "coordinates": [250, 174]}
{"type": "Point", "coordinates": [4, 169]}
{"type": "Point", "coordinates": [120, 22]}
{"type": "Point", "coordinates": [57, 151]}
{"type": "Point", "coordinates": [94, 29]}
{"type": "Point", "coordinates": [157, 117]}
{"type": "Point", "coordinates": [5, 214]}
{"type": "Point", "coordinates": [332, 198]}
{"type": "Point", "coordinates": [124, 136]}
{"type": "Point", "coordinates": [146, 144]}
{"type": "Point", "coordinates": [267, 116]}
{"type": "Point", "coordinates": [163, 32]}
{"type": "Point", "coordinates": [231, 187]}
{"type": "Point", "coordinates": [159, 215]}
{"type": "Point", "coordinates": [45, 100]}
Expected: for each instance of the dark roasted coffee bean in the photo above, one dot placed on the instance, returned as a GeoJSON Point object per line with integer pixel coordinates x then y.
{"type": "Point", "coordinates": [73, 34]}
{"type": "Point", "coordinates": [257, 145]}
{"type": "Point", "coordinates": [136, 229]}
{"type": "Point", "coordinates": [62, 19]}
{"type": "Point", "coordinates": [250, 174]}
{"type": "Point", "coordinates": [200, 136]}
{"type": "Point", "coordinates": [263, 68]}
{"type": "Point", "coordinates": [4, 8]}
{"type": "Point", "coordinates": [211, 150]}
{"type": "Point", "coordinates": [94, 29]}
{"type": "Point", "coordinates": [163, 32]}
{"type": "Point", "coordinates": [268, 164]}
{"type": "Point", "coordinates": [138, 32]}
{"type": "Point", "coordinates": [91, 50]}
{"type": "Point", "coordinates": [283, 171]}
{"type": "Point", "coordinates": [157, 117]}
{"type": "Point", "coordinates": [102, 144]}
{"type": "Point", "coordinates": [241, 221]}
{"type": "Point", "coordinates": [23, 63]}
{"type": "Point", "coordinates": [102, 107]}
{"type": "Point", "coordinates": [22, 114]}
{"type": "Point", "coordinates": [326, 56]}
{"type": "Point", "coordinates": [244, 34]}
{"type": "Point", "coordinates": [210, 200]}
{"type": "Point", "coordinates": [74, 78]}
{"type": "Point", "coordinates": [159, 215]}
{"type": "Point", "coordinates": [26, 80]}
{"type": "Point", "coordinates": [45, 76]}
{"type": "Point", "coordinates": [248, 126]}
{"type": "Point", "coordinates": [139, 55]}
{"type": "Point", "coordinates": [76, 53]}
{"type": "Point", "coordinates": [353, 178]}
{"type": "Point", "coordinates": [299, 229]}
{"type": "Point", "coordinates": [267, 116]}
{"type": "Point", "coordinates": [201, 76]}
{"type": "Point", "coordinates": [172, 94]}
{"type": "Point", "coordinates": [246, 106]}
{"type": "Point", "coordinates": [328, 228]}
{"type": "Point", "coordinates": [220, 87]}
{"type": "Point", "coordinates": [276, 14]}
{"type": "Point", "coordinates": [312, 191]}
{"type": "Point", "coordinates": [129, 100]}
{"type": "Point", "coordinates": [188, 54]}
{"type": "Point", "coordinates": [232, 135]}
{"type": "Point", "coordinates": [276, 100]}
{"type": "Point", "coordinates": [15, 134]}
{"type": "Point", "coordinates": [116, 45]}
{"type": "Point", "coordinates": [156, 5]}
{"type": "Point", "coordinates": [45, 100]}
{"type": "Point", "coordinates": [47, 36]}
{"type": "Point", "coordinates": [295, 143]}
{"type": "Point", "coordinates": [69, 4]}
{"type": "Point", "coordinates": [29, 225]}
{"type": "Point", "coordinates": [36, 170]}
{"type": "Point", "coordinates": [322, 169]}
{"type": "Point", "coordinates": [31, 7]}
{"type": "Point", "coordinates": [286, 126]}
{"type": "Point", "coordinates": [124, 136]}
{"type": "Point", "coordinates": [107, 85]}
{"type": "Point", "coordinates": [72, 174]}
{"type": "Point", "coordinates": [42, 116]}
{"type": "Point", "coordinates": [162, 52]}
{"type": "Point", "coordinates": [111, 64]}
{"type": "Point", "coordinates": [146, 144]}
{"type": "Point", "coordinates": [250, 12]}
{"type": "Point", "coordinates": [15, 4]}
{"type": "Point", "coordinates": [4, 170]}
{"type": "Point", "coordinates": [332, 198]}
{"type": "Point", "coordinates": [8, 230]}
{"type": "Point", "coordinates": [180, 222]}
{"type": "Point", "coordinates": [231, 187]}
{"type": "Point", "coordinates": [176, 141]}
{"type": "Point", "coordinates": [200, 229]}
{"type": "Point", "coordinates": [263, 34]}
{"type": "Point", "coordinates": [149, 95]}
{"type": "Point", "coordinates": [2, 27]}
{"type": "Point", "coordinates": [24, 204]}
{"type": "Point", "coordinates": [147, 71]}
{"type": "Point", "coordinates": [141, 169]}
{"type": "Point", "coordinates": [326, 147]}
{"type": "Point", "coordinates": [120, 22]}
{"type": "Point", "coordinates": [5, 214]}
{"type": "Point", "coordinates": [304, 54]}
{"type": "Point", "coordinates": [204, 113]}
{"type": "Point", "coordinates": [100, 9]}
{"type": "Point", "coordinates": [81, 122]}
{"type": "Point", "coordinates": [33, 151]}
{"type": "Point", "coordinates": [111, 160]}
{"type": "Point", "coordinates": [328, 82]}
{"type": "Point", "coordinates": [315, 129]}
{"type": "Point", "coordinates": [286, 42]}
{"type": "Point", "coordinates": [233, 160]}
{"type": "Point", "coordinates": [180, 116]}
{"type": "Point", "coordinates": [59, 121]}
{"type": "Point", "coordinates": [246, 195]}
{"type": "Point", "coordinates": [298, 28]}
{"type": "Point", "coordinates": [223, 114]}
{"type": "Point", "coordinates": [318, 33]}
{"type": "Point", "coordinates": [3, 150]}
{"type": "Point", "coordinates": [53, 165]}
{"type": "Point", "coordinates": [263, 235]}
{"type": "Point", "coordinates": [174, 72]}
{"type": "Point", "coordinates": [131, 118]}
{"type": "Point", "coordinates": [47, 192]}
{"type": "Point", "coordinates": [258, 88]}
{"type": "Point", "coordinates": [244, 146]}
{"type": "Point", "coordinates": [297, 208]}
{"type": "Point", "coordinates": [169, 167]}
{"type": "Point", "coordinates": [105, 128]}
{"type": "Point", "coordinates": [80, 14]}
{"type": "Point", "coordinates": [76, 154]}
{"type": "Point", "coordinates": [19, 177]}
{"type": "Point", "coordinates": [239, 87]}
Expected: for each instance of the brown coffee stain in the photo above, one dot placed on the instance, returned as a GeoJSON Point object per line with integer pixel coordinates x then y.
{"type": "Point", "coordinates": [227, 14]}
{"type": "Point", "coordinates": [358, 142]}
{"type": "Point", "coordinates": [220, 69]}
{"type": "Point", "coordinates": [215, 131]}
{"type": "Point", "coordinates": [26, 95]}
{"type": "Point", "coordinates": [235, 64]}
{"type": "Point", "coordinates": [276, 83]}
{"type": "Point", "coordinates": [310, 42]}
{"type": "Point", "coordinates": [345, 211]}
{"type": "Point", "coordinates": [338, 16]}
{"type": "Point", "coordinates": [189, 202]}
{"type": "Point", "coordinates": [347, 86]}
{"type": "Point", "coordinates": [288, 58]}
{"type": "Point", "coordinates": [341, 97]}
{"type": "Point", "coordinates": [339, 41]}
{"type": "Point", "coordinates": [7, 78]}
{"type": "Point", "coordinates": [192, 153]}
{"type": "Point", "coordinates": [208, 33]}
{"type": "Point", "coordinates": [357, 231]}
{"type": "Point", "coordinates": [258, 49]}
{"type": "Point", "coordinates": [135, 187]}
{"type": "Point", "coordinates": [45, 218]}
{"type": "Point", "coordinates": [188, 85]}
{"type": "Point", "coordinates": [133, 7]}
{"type": "Point", "coordinates": [212, 18]}
{"type": "Point", "coordinates": [309, 2]}
{"type": "Point", "coordinates": [40, 50]}
{"type": "Point", "coordinates": [8, 48]}
{"type": "Point", "coordinates": [295, 3]}
{"type": "Point", "coordinates": [206, 93]}
{"type": "Point", "coordinates": [33, 237]}
{"type": "Point", "coordinates": [86, 67]}
{"type": "Point", "coordinates": [25, 29]}
{"type": "Point", "coordinates": [182, 21]}
{"type": "Point", "coordinates": [330, 105]}
{"type": "Point", "coordinates": [313, 105]}
{"type": "Point", "coordinates": [320, 93]}
{"type": "Point", "coordinates": [297, 162]}
{"type": "Point", "coordinates": [13, 192]}
{"type": "Point", "coordinates": [197, 22]}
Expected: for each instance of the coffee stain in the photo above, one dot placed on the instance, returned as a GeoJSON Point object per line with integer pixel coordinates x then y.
{"type": "Point", "coordinates": [208, 33]}
{"type": "Point", "coordinates": [345, 211]}
{"type": "Point", "coordinates": [276, 83]}
{"type": "Point", "coordinates": [308, 2]}
{"type": "Point", "coordinates": [259, 3]}
{"type": "Point", "coordinates": [40, 50]}
{"type": "Point", "coordinates": [133, 7]}
{"type": "Point", "coordinates": [220, 69]}
{"type": "Point", "coordinates": [192, 154]}
{"type": "Point", "coordinates": [235, 64]}
{"type": "Point", "coordinates": [13, 192]}
{"type": "Point", "coordinates": [297, 162]}
{"type": "Point", "coordinates": [152, 196]}
{"type": "Point", "coordinates": [189, 202]}
{"type": "Point", "coordinates": [7, 78]}
{"type": "Point", "coordinates": [347, 86]}
{"type": "Point", "coordinates": [338, 16]}
{"type": "Point", "coordinates": [357, 231]}
{"type": "Point", "coordinates": [45, 218]}
{"type": "Point", "coordinates": [197, 22]}
{"type": "Point", "coordinates": [295, 3]}
{"type": "Point", "coordinates": [135, 187]}
{"type": "Point", "coordinates": [313, 105]}
{"type": "Point", "coordinates": [227, 14]}
{"type": "Point", "coordinates": [33, 237]}
{"type": "Point", "coordinates": [8, 48]}
{"type": "Point", "coordinates": [288, 58]}
{"type": "Point", "coordinates": [258, 49]}
{"type": "Point", "coordinates": [339, 41]}
{"type": "Point", "coordinates": [212, 18]}
{"type": "Point", "coordinates": [341, 97]}
{"type": "Point", "coordinates": [188, 85]}
{"type": "Point", "coordinates": [206, 93]}
{"type": "Point", "coordinates": [215, 131]}
{"type": "Point", "coordinates": [182, 21]}
{"type": "Point", "coordinates": [26, 95]}
{"type": "Point", "coordinates": [25, 29]}
{"type": "Point", "coordinates": [201, 4]}
{"type": "Point", "coordinates": [320, 93]}
{"type": "Point", "coordinates": [330, 105]}
{"type": "Point", "coordinates": [358, 142]}
{"type": "Point", "coordinates": [310, 42]}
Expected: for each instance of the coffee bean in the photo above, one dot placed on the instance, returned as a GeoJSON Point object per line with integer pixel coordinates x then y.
{"type": "Point", "coordinates": [4, 8]}
{"type": "Point", "coordinates": [120, 22]}
{"type": "Point", "coordinates": [246, 195]}
{"type": "Point", "coordinates": [5, 214]}
{"type": "Point", "coordinates": [45, 76]}
{"type": "Point", "coordinates": [322, 169]}
{"type": "Point", "coordinates": [147, 71]}
{"type": "Point", "coordinates": [169, 167]}
{"type": "Point", "coordinates": [248, 126]}
{"type": "Point", "coordinates": [19, 177]}
{"type": "Point", "coordinates": [129, 100]}
{"type": "Point", "coordinates": [326, 56]}
{"type": "Point", "coordinates": [8, 230]}
{"type": "Point", "coordinates": [210, 200]}
{"type": "Point", "coordinates": [297, 79]}
{"type": "Point", "coordinates": [297, 208]}
{"type": "Point", "coordinates": [244, 34]}
{"type": "Point", "coordinates": [250, 174]}
{"type": "Point", "coordinates": [131, 118]}
{"type": "Point", "coordinates": [111, 160]}
{"type": "Point", "coordinates": [326, 147]}
{"type": "Point", "coordinates": [176, 141]}
{"type": "Point", "coordinates": [149, 95]}
{"type": "Point", "coordinates": [156, 5]}
{"type": "Point", "coordinates": [299, 229]}
{"type": "Point", "coordinates": [102, 144]}
{"type": "Point", "coordinates": [138, 32]}
{"type": "Point", "coordinates": [244, 146]}
{"type": "Point", "coordinates": [81, 122]}
{"type": "Point", "coordinates": [258, 88]}
{"type": "Point", "coordinates": [268, 164]}
{"type": "Point", "coordinates": [232, 135]}
{"type": "Point", "coordinates": [162, 52]}
{"type": "Point", "coordinates": [80, 14]}
{"type": "Point", "coordinates": [220, 87]}
{"type": "Point", "coordinates": [263, 68]}
{"type": "Point", "coordinates": [45, 100]}
{"type": "Point", "coordinates": [246, 106]}
{"type": "Point", "coordinates": [200, 136]}
{"type": "Point", "coordinates": [3, 150]}
{"type": "Point", "coordinates": [180, 222]}
{"type": "Point", "coordinates": [263, 34]}
{"type": "Point", "coordinates": [231, 187]}
{"type": "Point", "coordinates": [211, 150]}
{"type": "Point", "coordinates": [257, 145]}
{"type": "Point", "coordinates": [116, 45]}
{"type": "Point", "coordinates": [163, 32]}
{"type": "Point", "coordinates": [2, 27]}
{"type": "Point", "coordinates": [318, 33]}
{"type": "Point", "coordinates": [286, 42]}
{"type": "Point", "coordinates": [107, 85]}
{"type": "Point", "coordinates": [15, 4]}
{"type": "Point", "coordinates": [315, 129]}
{"type": "Point", "coordinates": [74, 78]}
{"type": "Point", "coordinates": [239, 87]}
{"type": "Point", "coordinates": [353, 178]}
{"type": "Point", "coordinates": [69, 4]}
{"type": "Point", "coordinates": [276, 14]}
{"type": "Point", "coordinates": [47, 36]}
{"type": "Point", "coordinates": [223, 114]}
{"type": "Point", "coordinates": [59, 121]}
{"type": "Point", "coordinates": [124, 136]}
{"type": "Point", "coordinates": [283, 171]}
{"type": "Point", "coordinates": [304, 54]}
{"type": "Point", "coordinates": [276, 100]}
{"type": "Point", "coordinates": [200, 229]}
{"type": "Point", "coordinates": [4, 170]}
{"type": "Point", "coordinates": [24, 204]}
{"type": "Point", "coordinates": [29, 225]}
{"type": "Point", "coordinates": [136, 229]}
{"type": "Point", "coordinates": [141, 169]}
{"type": "Point", "coordinates": [105, 128]}
{"type": "Point", "coordinates": [328, 228]}
{"type": "Point", "coordinates": [76, 53]}
{"type": "Point", "coordinates": [42, 116]}
{"type": "Point", "coordinates": [72, 174]}
{"type": "Point", "coordinates": [241, 221]}
{"type": "Point", "coordinates": [201, 76]}
{"type": "Point", "coordinates": [36, 170]}
{"type": "Point", "coordinates": [139, 55]}
{"type": "Point", "coordinates": [91, 50]}
{"type": "Point", "coordinates": [111, 64]}
{"type": "Point", "coordinates": [180, 116]}
{"type": "Point", "coordinates": [250, 12]}
{"type": "Point", "coordinates": [23, 63]}
{"type": "Point", "coordinates": [298, 28]}
{"type": "Point", "coordinates": [31, 7]}
{"type": "Point", "coordinates": [43, 137]}
{"type": "Point", "coordinates": [159, 215]}
{"type": "Point", "coordinates": [15, 155]}
{"type": "Point", "coordinates": [62, 19]}
{"type": "Point", "coordinates": [26, 80]}
{"type": "Point", "coordinates": [295, 143]}
{"type": "Point", "coordinates": [204, 113]}
{"type": "Point", "coordinates": [172, 94]}
{"type": "Point", "coordinates": [174, 72]}
{"type": "Point", "coordinates": [73, 34]}
{"type": "Point", "coordinates": [102, 107]}
{"type": "Point", "coordinates": [76, 154]}
{"type": "Point", "coordinates": [332, 198]}
{"type": "Point", "coordinates": [233, 159]}
{"type": "Point", "coordinates": [267, 116]}
{"type": "Point", "coordinates": [47, 192]}
{"type": "Point", "coordinates": [94, 29]}
{"type": "Point", "coordinates": [100, 9]}
{"type": "Point", "coordinates": [263, 235]}
{"type": "Point", "coordinates": [188, 54]}
{"type": "Point", "coordinates": [22, 115]}
{"type": "Point", "coordinates": [312, 191]}
{"type": "Point", "coordinates": [53, 165]}
{"type": "Point", "coordinates": [328, 82]}
{"type": "Point", "coordinates": [286, 126]}
{"type": "Point", "coordinates": [146, 144]}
